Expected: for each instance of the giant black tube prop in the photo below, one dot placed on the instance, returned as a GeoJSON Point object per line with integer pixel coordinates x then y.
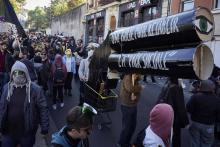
{"type": "Point", "coordinates": [182, 63]}
{"type": "Point", "coordinates": [181, 30]}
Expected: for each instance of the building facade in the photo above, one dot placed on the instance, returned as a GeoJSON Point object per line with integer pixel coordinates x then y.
{"type": "Point", "coordinates": [106, 15]}
{"type": "Point", "coordinates": [178, 6]}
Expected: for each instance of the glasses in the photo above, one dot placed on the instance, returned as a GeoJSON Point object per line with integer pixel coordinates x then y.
{"type": "Point", "coordinates": [18, 72]}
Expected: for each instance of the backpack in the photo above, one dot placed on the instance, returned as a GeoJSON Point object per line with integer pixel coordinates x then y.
{"type": "Point", "coordinates": [59, 75]}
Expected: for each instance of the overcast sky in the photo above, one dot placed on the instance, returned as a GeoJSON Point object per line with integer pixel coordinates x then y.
{"type": "Point", "coordinates": [32, 4]}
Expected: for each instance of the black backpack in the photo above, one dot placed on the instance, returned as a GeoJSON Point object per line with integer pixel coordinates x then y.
{"type": "Point", "coordinates": [59, 75]}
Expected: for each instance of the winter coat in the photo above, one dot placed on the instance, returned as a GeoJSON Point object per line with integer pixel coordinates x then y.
{"type": "Point", "coordinates": [175, 97]}
{"type": "Point", "coordinates": [127, 89]}
{"type": "Point", "coordinates": [59, 139]}
{"type": "Point", "coordinates": [35, 105]}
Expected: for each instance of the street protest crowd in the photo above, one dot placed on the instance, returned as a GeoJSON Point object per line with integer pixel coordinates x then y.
{"type": "Point", "coordinates": [44, 66]}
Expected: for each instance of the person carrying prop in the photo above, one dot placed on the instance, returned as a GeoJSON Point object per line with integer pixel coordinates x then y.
{"type": "Point", "coordinates": [79, 121]}
{"type": "Point", "coordinates": [129, 97]}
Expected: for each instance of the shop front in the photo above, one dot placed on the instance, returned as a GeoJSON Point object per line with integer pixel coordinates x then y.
{"type": "Point", "coordinates": [95, 27]}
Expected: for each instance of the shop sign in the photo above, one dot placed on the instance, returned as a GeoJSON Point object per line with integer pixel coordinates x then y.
{"type": "Point", "coordinates": [96, 15]}
{"type": "Point", "coordinates": [144, 2]}
{"type": "Point", "coordinates": [131, 5]}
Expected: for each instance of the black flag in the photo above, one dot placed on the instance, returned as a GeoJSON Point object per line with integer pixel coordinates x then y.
{"type": "Point", "coordinates": [8, 14]}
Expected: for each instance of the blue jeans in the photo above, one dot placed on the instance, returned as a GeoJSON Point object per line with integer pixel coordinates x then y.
{"type": "Point", "coordinates": [27, 141]}
{"type": "Point", "coordinates": [129, 120]}
{"type": "Point", "coordinates": [201, 135]}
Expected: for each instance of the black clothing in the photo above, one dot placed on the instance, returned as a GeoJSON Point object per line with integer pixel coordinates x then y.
{"type": "Point", "coordinates": [172, 94]}
{"type": "Point", "coordinates": [35, 111]}
{"type": "Point", "coordinates": [15, 118]}
{"type": "Point", "coordinates": [204, 108]}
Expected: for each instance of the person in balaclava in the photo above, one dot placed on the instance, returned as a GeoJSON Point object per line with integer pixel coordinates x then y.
{"type": "Point", "coordinates": [159, 132]}
{"type": "Point", "coordinates": [23, 108]}
{"type": "Point", "coordinates": [70, 63]}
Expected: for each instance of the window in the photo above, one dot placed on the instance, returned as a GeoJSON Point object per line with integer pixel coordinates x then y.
{"type": "Point", "coordinates": [90, 28]}
{"type": "Point", "coordinates": [187, 5]}
{"type": "Point", "coordinates": [100, 30]}
{"type": "Point", "coordinates": [148, 13]}
{"type": "Point", "coordinates": [127, 19]}
{"type": "Point", "coordinates": [217, 4]}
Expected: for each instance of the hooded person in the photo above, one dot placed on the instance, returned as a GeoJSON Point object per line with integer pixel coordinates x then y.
{"type": "Point", "coordinates": [70, 63]}
{"type": "Point", "coordinates": [22, 108]}
{"type": "Point", "coordinates": [59, 74]}
{"type": "Point", "coordinates": [159, 132]}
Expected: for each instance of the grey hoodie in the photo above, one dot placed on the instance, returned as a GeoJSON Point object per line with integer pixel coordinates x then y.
{"type": "Point", "coordinates": [21, 67]}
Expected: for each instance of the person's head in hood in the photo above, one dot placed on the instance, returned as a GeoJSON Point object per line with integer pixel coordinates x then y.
{"type": "Point", "coordinates": [19, 77]}
{"type": "Point", "coordinates": [161, 122]}
{"type": "Point", "coordinates": [19, 74]}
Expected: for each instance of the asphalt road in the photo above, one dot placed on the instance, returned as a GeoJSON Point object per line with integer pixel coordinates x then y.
{"type": "Point", "coordinates": [109, 135]}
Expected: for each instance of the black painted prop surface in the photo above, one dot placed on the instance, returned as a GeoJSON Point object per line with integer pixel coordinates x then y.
{"type": "Point", "coordinates": [180, 31]}
{"type": "Point", "coordinates": [177, 63]}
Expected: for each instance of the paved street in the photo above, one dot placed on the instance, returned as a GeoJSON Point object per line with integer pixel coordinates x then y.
{"type": "Point", "coordinates": [108, 136]}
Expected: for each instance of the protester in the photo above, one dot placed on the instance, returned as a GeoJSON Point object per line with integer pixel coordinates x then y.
{"type": "Point", "coordinates": [204, 110]}
{"type": "Point", "coordinates": [22, 108]}
{"type": "Point", "coordinates": [129, 97]}
{"type": "Point", "coordinates": [172, 93]}
{"type": "Point", "coordinates": [159, 132]}
{"type": "Point", "coordinates": [45, 72]}
{"type": "Point", "coordinates": [78, 127]}
{"type": "Point", "coordinates": [59, 73]}
{"type": "Point", "coordinates": [2, 64]}
{"type": "Point", "coordinates": [70, 63]}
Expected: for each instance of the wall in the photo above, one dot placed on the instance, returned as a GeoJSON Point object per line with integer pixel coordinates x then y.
{"type": "Point", "coordinates": [111, 11]}
{"type": "Point", "coordinates": [198, 3]}
{"type": "Point", "coordinates": [70, 23]}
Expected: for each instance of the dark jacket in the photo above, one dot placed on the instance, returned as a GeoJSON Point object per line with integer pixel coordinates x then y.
{"type": "Point", "coordinates": [60, 139]}
{"type": "Point", "coordinates": [35, 111]}
{"type": "Point", "coordinates": [204, 108]}
{"type": "Point", "coordinates": [173, 95]}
